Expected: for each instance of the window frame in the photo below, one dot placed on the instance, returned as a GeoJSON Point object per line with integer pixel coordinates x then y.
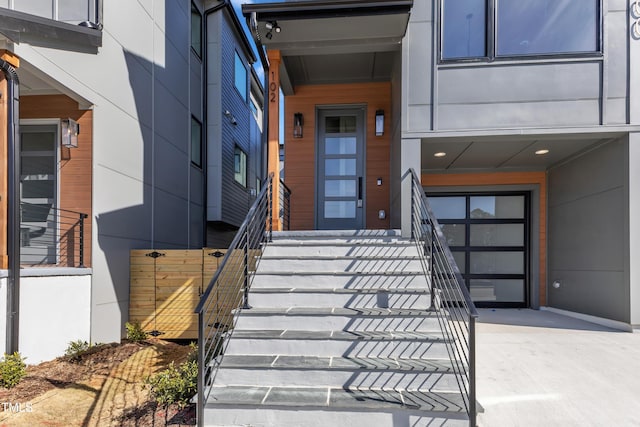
{"type": "Point", "coordinates": [197, 52]}
{"type": "Point", "coordinates": [237, 149]}
{"type": "Point", "coordinates": [244, 93]}
{"type": "Point", "coordinates": [491, 40]}
{"type": "Point", "coordinates": [194, 120]}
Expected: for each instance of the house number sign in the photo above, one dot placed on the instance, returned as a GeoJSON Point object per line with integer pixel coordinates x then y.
{"type": "Point", "coordinates": [273, 88]}
{"type": "Point", "coordinates": [634, 11]}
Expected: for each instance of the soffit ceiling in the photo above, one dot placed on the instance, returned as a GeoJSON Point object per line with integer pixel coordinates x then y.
{"type": "Point", "coordinates": [332, 41]}
{"type": "Point", "coordinates": [504, 153]}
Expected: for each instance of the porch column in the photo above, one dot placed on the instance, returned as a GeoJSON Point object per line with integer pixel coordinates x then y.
{"type": "Point", "coordinates": [273, 150]}
{"type": "Point", "coordinates": [409, 158]}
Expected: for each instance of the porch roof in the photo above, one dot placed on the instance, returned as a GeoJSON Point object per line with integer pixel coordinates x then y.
{"type": "Point", "coordinates": [331, 41]}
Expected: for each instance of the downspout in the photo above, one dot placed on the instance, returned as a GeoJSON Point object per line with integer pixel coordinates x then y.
{"type": "Point", "coordinates": [13, 205]}
{"type": "Point", "coordinates": [253, 27]}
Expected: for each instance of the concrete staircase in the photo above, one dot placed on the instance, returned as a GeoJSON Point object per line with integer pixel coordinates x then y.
{"type": "Point", "coordinates": [338, 335]}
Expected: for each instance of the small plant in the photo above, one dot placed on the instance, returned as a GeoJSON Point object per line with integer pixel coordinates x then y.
{"type": "Point", "coordinates": [12, 370]}
{"type": "Point", "coordinates": [76, 349]}
{"type": "Point", "coordinates": [176, 384]}
{"type": "Point", "coordinates": [135, 332]}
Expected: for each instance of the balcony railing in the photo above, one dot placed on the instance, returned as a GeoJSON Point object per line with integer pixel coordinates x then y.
{"type": "Point", "coordinates": [450, 297]}
{"type": "Point", "coordinates": [51, 236]}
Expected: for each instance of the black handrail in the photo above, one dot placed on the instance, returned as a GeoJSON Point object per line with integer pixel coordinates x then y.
{"type": "Point", "coordinates": [228, 291]}
{"type": "Point", "coordinates": [51, 236]}
{"type": "Point", "coordinates": [450, 297]}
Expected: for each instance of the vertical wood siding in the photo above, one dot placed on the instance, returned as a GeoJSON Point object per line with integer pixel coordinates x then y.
{"type": "Point", "coordinates": [75, 163]}
{"type": "Point", "coordinates": [506, 178]}
{"type": "Point", "coordinates": [300, 159]}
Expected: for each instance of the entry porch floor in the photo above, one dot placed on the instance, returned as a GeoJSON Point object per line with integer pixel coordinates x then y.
{"type": "Point", "coordinates": [539, 368]}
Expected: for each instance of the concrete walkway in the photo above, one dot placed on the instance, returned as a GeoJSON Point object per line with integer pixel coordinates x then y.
{"type": "Point", "coordinates": [537, 368]}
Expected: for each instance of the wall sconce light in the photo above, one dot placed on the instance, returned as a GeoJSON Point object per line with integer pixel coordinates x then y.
{"type": "Point", "coordinates": [298, 122]}
{"type": "Point", "coordinates": [69, 133]}
{"type": "Point", "coordinates": [272, 26]}
{"type": "Point", "coordinates": [231, 117]}
{"type": "Point", "coordinates": [379, 122]}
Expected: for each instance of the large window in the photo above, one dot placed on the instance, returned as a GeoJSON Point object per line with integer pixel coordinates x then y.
{"type": "Point", "coordinates": [240, 77]}
{"type": "Point", "coordinates": [196, 30]}
{"type": "Point", "coordinates": [518, 28]}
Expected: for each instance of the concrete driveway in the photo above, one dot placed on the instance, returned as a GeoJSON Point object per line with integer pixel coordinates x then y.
{"type": "Point", "coordinates": [538, 368]}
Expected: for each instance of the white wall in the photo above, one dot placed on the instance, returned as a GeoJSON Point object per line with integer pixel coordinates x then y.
{"type": "Point", "coordinates": [54, 310]}
{"type": "Point", "coordinates": [634, 227]}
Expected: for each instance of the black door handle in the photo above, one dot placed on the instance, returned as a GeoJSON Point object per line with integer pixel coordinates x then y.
{"type": "Point", "coordinates": [360, 187]}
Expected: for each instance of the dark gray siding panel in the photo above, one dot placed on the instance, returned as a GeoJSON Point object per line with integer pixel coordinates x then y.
{"type": "Point", "coordinates": [588, 233]}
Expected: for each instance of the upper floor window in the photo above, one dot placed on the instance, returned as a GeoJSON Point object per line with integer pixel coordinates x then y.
{"type": "Point", "coordinates": [518, 28]}
{"type": "Point", "coordinates": [196, 142]}
{"type": "Point", "coordinates": [240, 166]}
{"type": "Point", "coordinates": [240, 76]}
{"type": "Point", "coordinates": [196, 30]}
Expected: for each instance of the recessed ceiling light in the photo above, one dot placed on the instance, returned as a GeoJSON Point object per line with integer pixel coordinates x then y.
{"type": "Point", "coordinates": [440, 154]}
{"type": "Point", "coordinates": [542, 152]}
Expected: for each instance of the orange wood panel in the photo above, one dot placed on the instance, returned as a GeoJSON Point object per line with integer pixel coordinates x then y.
{"type": "Point", "coordinates": [4, 258]}
{"type": "Point", "coordinates": [75, 163]}
{"type": "Point", "coordinates": [300, 163]}
{"type": "Point", "coordinates": [273, 133]}
{"type": "Point", "coordinates": [506, 178]}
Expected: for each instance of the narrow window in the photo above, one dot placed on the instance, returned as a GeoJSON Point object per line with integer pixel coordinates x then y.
{"type": "Point", "coordinates": [240, 77]}
{"type": "Point", "coordinates": [464, 28]}
{"type": "Point", "coordinates": [196, 142]}
{"type": "Point", "coordinates": [196, 30]}
{"type": "Point", "coordinates": [240, 166]}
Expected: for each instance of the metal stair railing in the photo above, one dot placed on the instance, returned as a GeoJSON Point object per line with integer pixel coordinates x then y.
{"type": "Point", "coordinates": [51, 236]}
{"type": "Point", "coordinates": [450, 297]}
{"type": "Point", "coordinates": [285, 205]}
{"type": "Point", "coordinates": [228, 291]}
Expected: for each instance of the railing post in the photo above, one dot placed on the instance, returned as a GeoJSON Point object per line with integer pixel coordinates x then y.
{"type": "Point", "coordinates": [81, 249]}
{"type": "Point", "coordinates": [271, 187]}
{"type": "Point", "coordinates": [413, 208]}
{"type": "Point", "coordinates": [472, 371]}
{"type": "Point", "coordinates": [245, 297]}
{"type": "Point", "coordinates": [201, 371]}
{"type": "Point", "coordinates": [432, 276]}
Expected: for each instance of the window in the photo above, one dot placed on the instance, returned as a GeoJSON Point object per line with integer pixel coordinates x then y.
{"type": "Point", "coordinates": [196, 142]}
{"type": "Point", "coordinates": [196, 30]}
{"type": "Point", "coordinates": [240, 77]}
{"type": "Point", "coordinates": [518, 28]}
{"type": "Point", "coordinates": [240, 166]}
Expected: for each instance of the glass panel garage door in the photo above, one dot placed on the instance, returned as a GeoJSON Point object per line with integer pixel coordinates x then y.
{"type": "Point", "coordinates": [488, 236]}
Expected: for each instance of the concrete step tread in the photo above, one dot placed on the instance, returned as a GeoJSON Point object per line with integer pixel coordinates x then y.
{"type": "Point", "coordinates": [327, 397]}
{"type": "Point", "coordinates": [338, 311]}
{"type": "Point", "coordinates": [292, 334]}
{"type": "Point", "coordinates": [335, 233]}
{"type": "Point", "coordinates": [287, 362]}
{"type": "Point", "coordinates": [315, 257]}
{"type": "Point", "coordinates": [340, 273]}
{"type": "Point", "coordinates": [341, 242]}
{"type": "Point", "coordinates": [350, 291]}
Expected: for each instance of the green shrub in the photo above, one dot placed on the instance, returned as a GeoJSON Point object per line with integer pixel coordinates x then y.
{"type": "Point", "coordinates": [76, 349]}
{"type": "Point", "coordinates": [175, 384]}
{"type": "Point", "coordinates": [135, 332]}
{"type": "Point", "coordinates": [12, 369]}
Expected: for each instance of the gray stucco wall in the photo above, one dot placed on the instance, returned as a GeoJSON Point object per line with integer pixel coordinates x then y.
{"type": "Point", "coordinates": [588, 233]}
{"type": "Point", "coordinates": [515, 93]}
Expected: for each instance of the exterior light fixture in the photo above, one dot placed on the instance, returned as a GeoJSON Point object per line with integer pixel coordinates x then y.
{"type": "Point", "coordinates": [272, 26]}
{"type": "Point", "coordinates": [440, 154]}
{"type": "Point", "coordinates": [379, 122]}
{"type": "Point", "coordinates": [69, 133]}
{"type": "Point", "coordinates": [542, 152]}
{"type": "Point", "coordinates": [298, 122]}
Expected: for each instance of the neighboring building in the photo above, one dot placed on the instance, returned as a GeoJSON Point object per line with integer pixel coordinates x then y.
{"type": "Point", "coordinates": [132, 77]}
{"type": "Point", "coordinates": [522, 118]}
{"type": "Point", "coordinates": [235, 163]}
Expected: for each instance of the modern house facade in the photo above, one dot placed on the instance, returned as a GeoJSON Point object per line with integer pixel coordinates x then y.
{"type": "Point", "coordinates": [129, 78]}
{"type": "Point", "coordinates": [521, 119]}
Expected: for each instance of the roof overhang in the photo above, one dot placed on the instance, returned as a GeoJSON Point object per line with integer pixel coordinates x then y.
{"type": "Point", "coordinates": [331, 41]}
{"type": "Point", "coordinates": [20, 27]}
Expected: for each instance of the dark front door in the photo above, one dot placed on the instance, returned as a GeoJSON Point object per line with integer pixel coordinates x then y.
{"type": "Point", "coordinates": [340, 169]}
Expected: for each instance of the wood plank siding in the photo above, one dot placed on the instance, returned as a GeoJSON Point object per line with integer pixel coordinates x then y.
{"type": "Point", "coordinates": [75, 163]}
{"type": "Point", "coordinates": [506, 178]}
{"type": "Point", "coordinates": [300, 153]}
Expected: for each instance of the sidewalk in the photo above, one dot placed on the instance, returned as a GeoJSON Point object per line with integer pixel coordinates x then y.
{"type": "Point", "coordinates": [537, 368]}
